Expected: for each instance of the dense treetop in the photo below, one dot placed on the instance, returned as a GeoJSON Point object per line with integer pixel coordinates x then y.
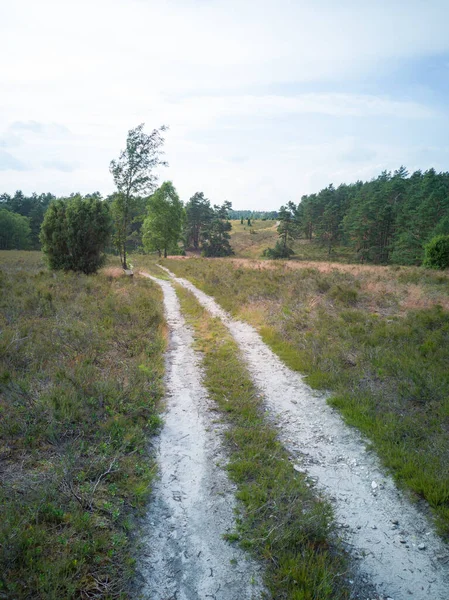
{"type": "Point", "coordinates": [33, 208]}
{"type": "Point", "coordinates": [267, 215]}
{"type": "Point", "coordinates": [386, 220]}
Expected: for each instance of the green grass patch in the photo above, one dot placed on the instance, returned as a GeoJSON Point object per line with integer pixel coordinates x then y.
{"type": "Point", "coordinates": [377, 338]}
{"type": "Point", "coordinates": [250, 242]}
{"type": "Point", "coordinates": [80, 378]}
{"type": "Point", "coordinates": [282, 521]}
{"type": "Point", "coordinates": [149, 264]}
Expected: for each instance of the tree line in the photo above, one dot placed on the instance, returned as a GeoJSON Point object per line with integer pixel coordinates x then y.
{"type": "Point", "coordinates": [389, 219]}
{"type": "Point", "coordinates": [159, 223]}
{"type": "Point", "coordinates": [75, 232]}
{"type": "Point", "coordinates": [21, 219]}
{"type": "Point", "coordinates": [253, 215]}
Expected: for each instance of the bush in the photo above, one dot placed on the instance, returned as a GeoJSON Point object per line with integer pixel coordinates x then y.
{"type": "Point", "coordinates": [279, 251]}
{"type": "Point", "coordinates": [74, 234]}
{"type": "Point", "coordinates": [436, 253]}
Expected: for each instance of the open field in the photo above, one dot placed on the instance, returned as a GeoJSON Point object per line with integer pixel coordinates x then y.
{"type": "Point", "coordinates": [80, 378]}
{"type": "Point", "coordinates": [250, 242]}
{"type": "Point", "coordinates": [377, 337]}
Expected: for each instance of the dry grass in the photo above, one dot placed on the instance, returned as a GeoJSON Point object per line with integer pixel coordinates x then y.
{"type": "Point", "coordinates": [251, 241]}
{"type": "Point", "coordinates": [383, 290]}
{"type": "Point", "coordinates": [113, 272]}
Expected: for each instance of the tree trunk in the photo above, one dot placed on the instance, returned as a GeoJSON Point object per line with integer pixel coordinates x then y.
{"type": "Point", "coordinates": [125, 229]}
{"type": "Point", "coordinates": [125, 266]}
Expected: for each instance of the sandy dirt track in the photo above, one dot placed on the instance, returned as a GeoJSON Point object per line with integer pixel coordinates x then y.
{"type": "Point", "coordinates": [391, 539]}
{"type": "Point", "coordinates": [184, 556]}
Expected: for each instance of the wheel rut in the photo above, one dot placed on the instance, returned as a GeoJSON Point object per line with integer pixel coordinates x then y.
{"type": "Point", "coordinates": [184, 555]}
{"type": "Point", "coordinates": [392, 540]}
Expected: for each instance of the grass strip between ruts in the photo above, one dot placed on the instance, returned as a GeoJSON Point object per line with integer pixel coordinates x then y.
{"type": "Point", "coordinates": [281, 519]}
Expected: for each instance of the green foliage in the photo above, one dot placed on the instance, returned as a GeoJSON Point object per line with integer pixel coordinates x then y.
{"type": "Point", "coordinates": [198, 215]}
{"type": "Point", "coordinates": [15, 231]}
{"type": "Point", "coordinates": [370, 223]}
{"type": "Point", "coordinates": [163, 224]}
{"type": "Point", "coordinates": [81, 373]}
{"type": "Point", "coordinates": [75, 232]}
{"type": "Point", "coordinates": [214, 234]}
{"type": "Point", "coordinates": [237, 215]}
{"type": "Point", "coordinates": [130, 237]}
{"type": "Point", "coordinates": [288, 230]}
{"type": "Point", "coordinates": [279, 251]}
{"type": "Point", "coordinates": [33, 207]}
{"type": "Point", "coordinates": [386, 220]}
{"type": "Point", "coordinates": [436, 253]}
{"type": "Point", "coordinates": [133, 175]}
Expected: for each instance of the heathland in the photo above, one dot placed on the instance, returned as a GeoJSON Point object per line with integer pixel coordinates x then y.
{"type": "Point", "coordinates": [82, 372]}
{"type": "Point", "coordinates": [80, 378]}
{"type": "Point", "coordinates": [376, 337]}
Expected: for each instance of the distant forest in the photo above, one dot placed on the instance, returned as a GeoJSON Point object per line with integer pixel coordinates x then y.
{"type": "Point", "coordinates": [21, 218]}
{"type": "Point", "coordinates": [263, 215]}
{"type": "Point", "coordinates": [385, 220]}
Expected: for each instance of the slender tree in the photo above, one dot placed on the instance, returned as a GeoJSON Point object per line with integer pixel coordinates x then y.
{"type": "Point", "coordinates": [163, 224]}
{"type": "Point", "coordinates": [288, 228]}
{"type": "Point", "coordinates": [134, 175]}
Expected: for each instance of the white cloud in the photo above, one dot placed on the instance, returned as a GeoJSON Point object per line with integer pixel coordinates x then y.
{"type": "Point", "coordinates": [8, 162]}
{"type": "Point", "coordinates": [79, 74]}
{"type": "Point", "coordinates": [48, 130]}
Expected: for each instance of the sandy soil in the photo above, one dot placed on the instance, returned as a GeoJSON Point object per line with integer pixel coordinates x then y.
{"type": "Point", "coordinates": [184, 556]}
{"type": "Point", "coordinates": [390, 538]}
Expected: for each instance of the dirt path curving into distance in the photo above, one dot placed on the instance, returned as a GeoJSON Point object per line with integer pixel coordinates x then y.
{"type": "Point", "coordinates": [393, 541]}
{"type": "Point", "coordinates": [184, 554]}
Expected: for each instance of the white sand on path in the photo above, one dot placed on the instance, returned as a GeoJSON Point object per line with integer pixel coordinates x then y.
{"type": "Point", "coordinates": [184, 556]}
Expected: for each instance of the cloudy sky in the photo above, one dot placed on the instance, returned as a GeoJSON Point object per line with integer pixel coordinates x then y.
{"type": "Point", "coordinates": [266, 100]}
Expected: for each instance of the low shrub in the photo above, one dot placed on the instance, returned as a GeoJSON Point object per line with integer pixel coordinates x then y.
{"type": "Point", "coordinates": [279, 251]}
{"type": "Point", "coordinates": [436, 253]}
